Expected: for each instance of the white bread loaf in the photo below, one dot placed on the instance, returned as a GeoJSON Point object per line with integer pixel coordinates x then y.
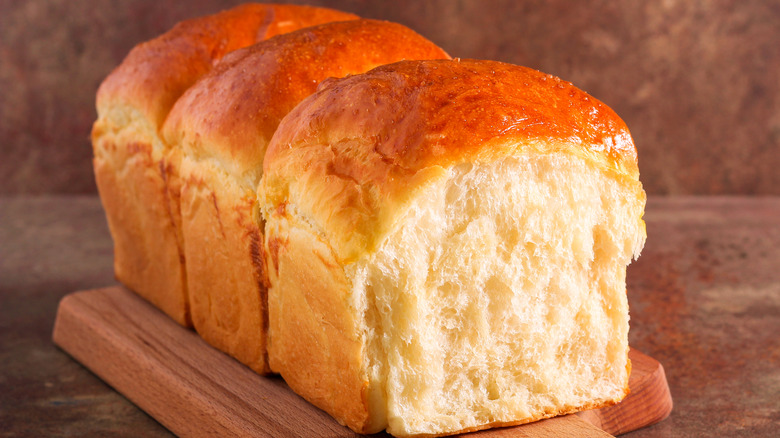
{"type": "Point", "coordinates": [221, 126]}
{"type": "Point", "coordinates": [136, 173]}
{"type": "Point", "coordinates": [447, 244]}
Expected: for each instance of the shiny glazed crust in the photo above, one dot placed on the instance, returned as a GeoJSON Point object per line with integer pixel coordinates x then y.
{"type": "Point", "coordinates": [398, 126]}
{"type": "Point", "coordinates": [222, 126]}
{"type": "Point", "coordinates": [156, 73]}
{"type": "Point", "coordinates": [344, 165]}
{"type": "Point", "coordinates": [136, 176]}
{"type": "Point", "coordinates": [231, 114]}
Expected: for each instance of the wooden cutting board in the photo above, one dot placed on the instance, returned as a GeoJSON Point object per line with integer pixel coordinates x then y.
{"type": "Point", "coordinates": [195, 390]}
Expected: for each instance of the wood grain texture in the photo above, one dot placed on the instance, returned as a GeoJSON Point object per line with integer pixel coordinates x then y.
{"type": "Point", "coordinates": [195, 390]}
{"type": "Point", "coordinates": [567, 426]}
{"type": "Point", "coordinates": [173, 375]}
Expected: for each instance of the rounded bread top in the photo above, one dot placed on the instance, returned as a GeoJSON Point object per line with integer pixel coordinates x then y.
{"type": "Point", "coordinates": [231, 113]}
{"type": "Point", "coordinates": [155, 73]}
{"type": "Point", "coordinates": [349, 157]}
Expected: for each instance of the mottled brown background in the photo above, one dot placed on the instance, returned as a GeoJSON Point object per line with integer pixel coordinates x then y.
{"type": "Point", "coordinates": [698, 82]}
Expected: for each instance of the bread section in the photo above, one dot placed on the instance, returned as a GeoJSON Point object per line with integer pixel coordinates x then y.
{"type": "Point", "coordinates": [447, 244]}
{"type": "Point", "coordinates": [136, 173]}
{"type": "Point", "coordinates": [221, 127]}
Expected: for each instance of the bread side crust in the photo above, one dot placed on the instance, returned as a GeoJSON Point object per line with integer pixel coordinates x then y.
{"type": "Point", "coordinates": [226, 264]}
{"type": "Point", "coordinates": [148, 257]}
{"type": "Point", "coordinates": [314, 340]}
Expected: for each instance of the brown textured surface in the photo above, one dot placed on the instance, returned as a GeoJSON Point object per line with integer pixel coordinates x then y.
{"type": "Point", "coordinates": [233, 111]}
{"type": "Point", "coordinates": [696, 82]}
{"type": "Point", "coordinates": [705, 302]}
{"type": "Point", "coordinates": [704, 296]}
{"type": "Point", "coordinates": [51, 247]}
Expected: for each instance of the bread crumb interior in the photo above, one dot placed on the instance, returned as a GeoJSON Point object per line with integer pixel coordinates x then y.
{"type": "Point", "coordinates": [501, 296]}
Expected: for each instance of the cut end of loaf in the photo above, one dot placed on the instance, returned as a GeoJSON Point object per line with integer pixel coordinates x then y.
{"type": "Point", "coordinates": [470, 239]}
{"type": "Point", "coordinates": [501, 298]}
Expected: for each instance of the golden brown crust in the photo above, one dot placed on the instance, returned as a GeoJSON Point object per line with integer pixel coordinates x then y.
{"type": "Point", "coordinates": [232, 112]}
{"type": "Point", "coordinates": [442, 112]}
{"type": "Point", "coordinates": [155, 73]}
{"type": "Point", "coordinates": [373, 138]}
{"type": "Point", "coordinates": [138, 183]}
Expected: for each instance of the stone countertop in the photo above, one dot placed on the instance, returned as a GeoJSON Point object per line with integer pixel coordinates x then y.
{"type": "Point", "coordinates": [704, 296]}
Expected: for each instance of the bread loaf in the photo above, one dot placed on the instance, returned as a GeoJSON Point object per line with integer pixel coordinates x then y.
{"type": "Point", "coordinates": [222, 126]}
{"type": "Point", "coordinates": [430, 247]}
{"type": "Point", "coordinates": [136, 176]}
{"type": "Point", "coordinates": [447, 247]}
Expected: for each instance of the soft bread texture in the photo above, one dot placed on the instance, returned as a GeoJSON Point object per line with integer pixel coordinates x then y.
{"type": "Point", "coordinates": [222, 125]}
{"type": "Point", "coordinates": [136, 174]}
{"type": "Point", "coordinates": [447, 244]}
